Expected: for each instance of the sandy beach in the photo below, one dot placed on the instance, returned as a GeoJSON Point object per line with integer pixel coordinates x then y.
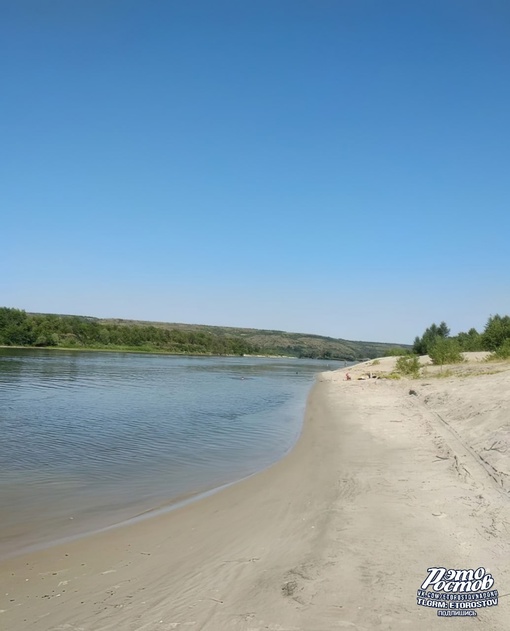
{"type": "Point", "coordinates": [388, 479]}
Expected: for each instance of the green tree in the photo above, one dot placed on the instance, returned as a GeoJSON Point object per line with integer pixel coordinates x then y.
{"type": "Point", "coordinates": [445, 351]}
{"type": "Point", "coordinates": [423, 344]}
{"type": "Point", "coordinates": [470, 341]}
{"type": "Point", "coordinates": [497, 331]}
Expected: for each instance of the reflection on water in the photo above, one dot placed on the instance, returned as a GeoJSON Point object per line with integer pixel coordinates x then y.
{"type": "Point", "coordinates": [90, 439]}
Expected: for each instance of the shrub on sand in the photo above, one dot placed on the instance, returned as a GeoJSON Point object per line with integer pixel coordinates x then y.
{"type": "Point", "coordinates": [408, 365]}
{"type": "Point", "coordinates": [503, 352]}
{"type": "Point", "coordinates": [445, 351]}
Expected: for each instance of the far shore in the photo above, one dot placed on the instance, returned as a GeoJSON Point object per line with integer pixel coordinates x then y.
{"type": "Point", "coordinates": [388, 478]}
{"type": "Point", "coordinates": [120, 349]}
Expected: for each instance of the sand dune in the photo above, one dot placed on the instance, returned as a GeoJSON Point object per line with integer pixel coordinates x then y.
{"type": "Point", "coordinates": [382, 485]}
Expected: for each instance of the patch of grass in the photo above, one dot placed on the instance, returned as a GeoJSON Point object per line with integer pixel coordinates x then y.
{"type": "Point", "coordinates": [376, 362]}
{"type": "Point", "coordinates": [494, 358]}
{"type": "Point", "coordinates": [477, 373]}
{"type": "Point", "coordinates": [392, 375]}
{"type": "Point", "coordinates": [444, 374]}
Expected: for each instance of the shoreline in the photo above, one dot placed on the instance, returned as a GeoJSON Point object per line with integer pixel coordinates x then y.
{"type": "Point", "coordinates": [337, 534]}
{"type": "Point", "coordinates": [88, 349]}
{"type": "Point", "coordinates": [75, 510]}
{"type": "Point", "coordinates": [163, 508]}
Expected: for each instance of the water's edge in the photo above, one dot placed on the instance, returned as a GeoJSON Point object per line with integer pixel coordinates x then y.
{"type": "Point", "coordinates": [93, 441]}
{"type": "Point", "coordinates": [173, 504]}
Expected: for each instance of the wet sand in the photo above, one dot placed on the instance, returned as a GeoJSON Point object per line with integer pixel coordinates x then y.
{"type": "Point", "coordinates": [382, 485]}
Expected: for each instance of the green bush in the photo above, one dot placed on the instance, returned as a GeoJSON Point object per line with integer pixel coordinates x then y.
{"type": "Point", "coordinates": [503, 352]}
{"type": "Point", "coordinates": [445, 351]}
{"type": "Point", "coordinates": [408, 365]}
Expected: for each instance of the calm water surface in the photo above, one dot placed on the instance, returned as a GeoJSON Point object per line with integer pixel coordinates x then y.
{"type": "Point", "coordinates": [92, 439]}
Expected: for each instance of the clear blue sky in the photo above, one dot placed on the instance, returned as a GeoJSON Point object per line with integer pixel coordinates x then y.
{"type": "Point", "coordinates": [339, 167]}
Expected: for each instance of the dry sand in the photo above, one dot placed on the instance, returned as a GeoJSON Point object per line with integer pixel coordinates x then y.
{"type": "Point", "coordinates": [382, 485]}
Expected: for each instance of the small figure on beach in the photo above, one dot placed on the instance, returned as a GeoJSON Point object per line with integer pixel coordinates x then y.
{"type": "Point", "coordinates": [347, 376]}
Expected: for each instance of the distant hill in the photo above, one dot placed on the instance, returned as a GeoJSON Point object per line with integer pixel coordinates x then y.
{"type": "Point", "coordinates": [18, 328]}
{"type": "Point", "coordinates": [280, 342]}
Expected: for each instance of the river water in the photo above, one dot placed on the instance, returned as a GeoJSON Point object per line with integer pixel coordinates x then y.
{"type": "Point", "coordinates": [92, 439]}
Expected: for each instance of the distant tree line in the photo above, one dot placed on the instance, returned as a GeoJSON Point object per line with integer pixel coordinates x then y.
{"type": "Point", "coordinates": [443, 348]}
{"type": "Point", "coordinates": [17, 328]}
{"type": "Point", "coordinates": [304, 351]}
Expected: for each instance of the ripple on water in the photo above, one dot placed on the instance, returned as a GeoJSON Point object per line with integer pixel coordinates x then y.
{"type": "Point", "coordinates": [99, 437]}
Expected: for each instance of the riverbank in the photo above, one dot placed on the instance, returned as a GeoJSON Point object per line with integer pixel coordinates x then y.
{"type": "Point", "coordinates": [63, 331]}
{"type": "Point", "coordinates": [93, 439]}
{"type": "Point", "coordinates": [382, 485]}
{"type": "Point", "coordinates": [149, 351]}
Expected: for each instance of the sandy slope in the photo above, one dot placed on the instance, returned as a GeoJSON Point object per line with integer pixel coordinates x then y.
{"type": "Point", "coordinates": [339, 535]}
